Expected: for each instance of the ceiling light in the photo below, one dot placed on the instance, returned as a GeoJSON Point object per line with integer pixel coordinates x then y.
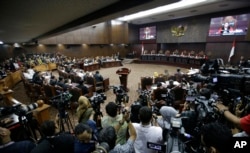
{"type": "Point", "coordinates": [17, 45]}
{"type": "Point", "coordinates": [161, 9]}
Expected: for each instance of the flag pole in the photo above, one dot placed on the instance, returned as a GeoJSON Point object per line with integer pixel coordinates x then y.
{"type": "Point", "coordinates": [231, 52]}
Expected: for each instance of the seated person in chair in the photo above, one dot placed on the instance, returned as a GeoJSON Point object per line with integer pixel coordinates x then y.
{"type": "Point", "coordinates": [98, 77]}
{"type": "Point", "coordinates": [9, 146]}
{"type": "Point", "coordinates": [84, 88]}
{"type": "Point", "coordinates": [159, 95]}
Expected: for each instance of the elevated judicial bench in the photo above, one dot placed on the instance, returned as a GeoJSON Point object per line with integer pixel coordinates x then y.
{"type": "Point", "coordinates": [183, 61]}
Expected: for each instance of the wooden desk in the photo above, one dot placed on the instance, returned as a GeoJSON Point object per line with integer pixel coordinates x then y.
{"type": "Point", "coordinates": [108, 64]}
{"type": "Point", "coordinates": [91, 67]}
{"type": "Point", "coordinates": [106, 84]}
{"type": "Point", "coordinates": [11, 79]}
{"type": "Point", "coordinates": [182, 61]}
{"type": "Point", "coordinates": [42, 113]}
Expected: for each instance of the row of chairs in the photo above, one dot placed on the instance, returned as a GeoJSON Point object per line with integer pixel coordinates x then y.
{"type": "Point", "coordinates": [46, 91]}
{"type": "Point", "coordinates": [97, 86]}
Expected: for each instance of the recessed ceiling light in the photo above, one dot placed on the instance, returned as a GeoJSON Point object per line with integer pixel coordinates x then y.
{"type": "Point", "coordinates": [161, 9]}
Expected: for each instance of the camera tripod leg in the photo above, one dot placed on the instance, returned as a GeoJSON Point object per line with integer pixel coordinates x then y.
{"type": "Point", "coordinates": [69, 124]}
{"type": "Point", "coordinates": [65, 120]}
{"type": "Point", "coordinates": [61, 124]}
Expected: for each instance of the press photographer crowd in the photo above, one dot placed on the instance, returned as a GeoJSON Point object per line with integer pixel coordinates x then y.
{"type": "Point", "coordinates": [210, 115]}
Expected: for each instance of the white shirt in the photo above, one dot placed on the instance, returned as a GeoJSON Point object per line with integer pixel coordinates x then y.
{"type": "Point", "coordinates": [146, 133]}
{"type": "Point", "coordinates": [27, 76]}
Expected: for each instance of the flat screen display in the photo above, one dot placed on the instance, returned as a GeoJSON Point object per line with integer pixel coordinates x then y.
{"type": "Point", "coordinates": [229, 25]}
{"type": "Point", "coordinates": [147, 33]}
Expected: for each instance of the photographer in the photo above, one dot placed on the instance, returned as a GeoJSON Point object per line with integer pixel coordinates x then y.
{"type": "Point", "coordinates": [113, 119]}
{"type": "Point", "coordinates": [241, 123]}
{"type": "Point", "coordinates": [146, 132]}
{"type": "Point", "coordinates": [108, 135]}
{"type": "Point", "coordinates": [166, 112]}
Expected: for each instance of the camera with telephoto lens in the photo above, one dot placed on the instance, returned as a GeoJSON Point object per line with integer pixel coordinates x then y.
{"type": "Point", "coordinates": [18, 109]}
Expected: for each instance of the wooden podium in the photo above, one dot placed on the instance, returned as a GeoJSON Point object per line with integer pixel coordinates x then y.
{"type": "Point", "coordinates": [123, 76]}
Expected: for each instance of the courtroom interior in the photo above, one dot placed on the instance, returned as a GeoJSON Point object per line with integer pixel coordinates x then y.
{"type": "Point", "coordinates": [81, 76]}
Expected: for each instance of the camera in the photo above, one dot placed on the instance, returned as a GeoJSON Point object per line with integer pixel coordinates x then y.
{"type": "Point", "coordinates": [61, 102]}
{"type": "Point", "coordinates": [121, 95]}
{"type": "Point", "coordinates": [18, 109]}
{"type": "Point", "coordinates": [144, 97]}
{"type": "Point", "coordinates": [102, 148]}
{"type": "Point", "coordinates": [97, 99]}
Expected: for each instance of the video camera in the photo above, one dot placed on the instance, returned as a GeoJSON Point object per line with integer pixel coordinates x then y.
{"type": "Point", "coordinates": [144, 97]}
{"type": "Point", "coordinates": [121, 94]}
{"type": "Point", "coordinates": [97, 99]}
{"type": "Point", "coordinates": [173, 135]}
{"type": "Point", "coordinates": [61, 102]}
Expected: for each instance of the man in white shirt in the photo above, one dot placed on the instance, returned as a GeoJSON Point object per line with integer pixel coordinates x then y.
{"type": "Point", "coordinates": [146, 132]}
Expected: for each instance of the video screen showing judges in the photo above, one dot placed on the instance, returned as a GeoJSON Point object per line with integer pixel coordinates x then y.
{"type": "Point", "coordinates": [147, 33]}
{"type": "Point", "coordinates": [229, 25]}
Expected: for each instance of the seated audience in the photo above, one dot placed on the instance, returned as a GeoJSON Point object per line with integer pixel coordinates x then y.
{"type": "Point", "coordinates": [52, 80]}
{"type": "Point", "coordinates": [171, 84]}
{"type": "Point", "coordinates": [84, 88]}
{"type": "Point", "coordinates": [9, 146]}
{"type": "Point", "coordinates": [178, 75]}
{"type": "Point", "coordinates": [98, 77]}
{"type": "Point", "coordinates": [3, 73]}
{"type": "Point", "coordinates": [61, 83]}
{"type": "Point", "coordinates": [27, 75]}
{"type": "Point", "coordinates": [146, 132]}
{"type": "Point", "coordinates": [160, 92]}
{"type": "Point", "coordinates": [37, 78]}
{"type": "Point", "coordinates": [113, 119]}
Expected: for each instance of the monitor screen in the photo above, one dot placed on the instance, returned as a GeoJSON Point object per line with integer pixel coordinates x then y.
{"type": "Point", "coordinates": [229, 25]}
{"type": "Point", "coordinates": [147, 33]}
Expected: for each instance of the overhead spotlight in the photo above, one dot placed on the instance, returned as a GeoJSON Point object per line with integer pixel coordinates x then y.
{"type": "Point", "coordinates": [17, 45]}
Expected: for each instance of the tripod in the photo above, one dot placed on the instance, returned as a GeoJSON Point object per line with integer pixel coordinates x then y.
{"type": "Point", "coordinates": [30, 125]}
{"type": "Point", "coordinates": [64, 119]}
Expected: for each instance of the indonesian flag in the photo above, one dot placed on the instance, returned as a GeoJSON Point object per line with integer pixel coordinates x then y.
{"type": "Point", "coordinates": [142, 48]}
{"type": "Point", "coordinates": [231, 52]}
